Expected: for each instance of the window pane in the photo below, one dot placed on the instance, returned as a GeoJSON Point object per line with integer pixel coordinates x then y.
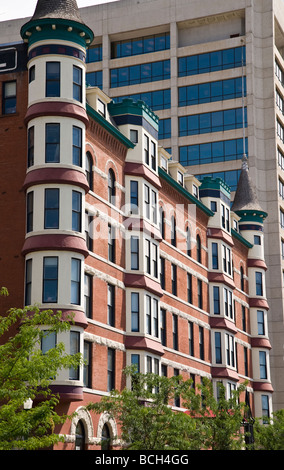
{"type": "Point", "coordinates": [52, 143]}
{"type": "Point", "coordinates": [50, 279]}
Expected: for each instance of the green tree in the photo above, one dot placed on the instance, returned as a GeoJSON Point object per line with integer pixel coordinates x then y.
{"type": "Point", "coordinates": [26, 374]}
{"type": "Point", "coordinates": [269, 432]}
{"type": "Point", "coordinates": [219, 421]}
{"type": "Point", "coordinates": [145, 417]}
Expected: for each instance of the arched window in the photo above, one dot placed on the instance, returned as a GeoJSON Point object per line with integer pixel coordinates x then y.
{"type": "Point", "coordinates": [89, 171]}
{"type": "Point", "coordinates": [188, 242]}
{"type": "Point", "coordinates": [173, 231]}
{"type": "Point", "coordinates": [198, 249]}
{"type": "Point", "coordinates": [80, 436]}
{"type": "Point", "coordinates": [111, 187]}
{"type": "Point", "coordinates": [105, 444]}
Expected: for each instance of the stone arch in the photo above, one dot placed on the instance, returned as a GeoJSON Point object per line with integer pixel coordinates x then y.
{"type": "Point", "coordinates": [106, 419]}
{"type": "Point", "coordinates": [84, 416]}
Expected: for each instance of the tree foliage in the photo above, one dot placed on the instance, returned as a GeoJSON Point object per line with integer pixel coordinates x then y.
{"type": "Point", "coordinates": [269, 432]}
{"type": "Point", "coordinates": [148, 420]}
{"type": "Point", "coordinates": [26, 374]}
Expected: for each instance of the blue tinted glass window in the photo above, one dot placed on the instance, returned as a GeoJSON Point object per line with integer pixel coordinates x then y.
{"type": "Point", "coordinates": [94, 54]}
{"type": "Point", "coordinates": [137, 46]}
{"type": "Point", "coordinates": [217, 151]}
{"type": "Point", "coordinates": [216, 60]}
{"type": "Point", "coordinates": [204, 63]}
{"type": "Point", "coordinates": [134, 75]}
{"type": "Point", "coordinates": [217, 121]}
{"type": "Point", "coordinates": [212, 152]}
{"type": "Point", "coordinates": [149, 44]}
{"type": "Point", "coordinates": [95, 79]}
{"type": "Point", "coordinates": [164, 128]}
{"type": "Point", "coordinates": [211, 62]}
{"type": "Point", "coordinates": [211, 92]}
{"type": "Point", "coordinates": [142, 45]}
{"type": "Point", "coordinates": [204, 92]}
{"type": "Point", "coordinates": [125, 48]}
{"type": "Point", "coordinates": [205, 153]}
{"type": "Point", "coordinates": [183, 155]}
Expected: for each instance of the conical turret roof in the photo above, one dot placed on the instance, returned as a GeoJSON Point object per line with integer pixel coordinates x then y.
{"type": "Point", "coordinates": [60, 9]}
{"type": "Point", "coordinates": [246, 197]}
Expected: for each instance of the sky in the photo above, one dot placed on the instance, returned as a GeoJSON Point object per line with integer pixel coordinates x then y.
{"type": "Point", "coordinates": [12, 9]}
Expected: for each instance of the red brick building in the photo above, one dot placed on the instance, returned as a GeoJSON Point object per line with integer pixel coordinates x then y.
{"type": "Point", "coordinates": [158, 268]}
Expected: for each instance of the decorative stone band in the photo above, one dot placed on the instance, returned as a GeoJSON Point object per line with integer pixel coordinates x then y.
{"type": "Point", "coordinates": [262, 387]}
{"type": "Point", "coordinates": [57, 108]}
{"type": "Point", "coordinates": [55, 242]}
{"type": "Point", "coordinates": [56, 176]}
{"type": "Point", "coordinates": [140, 281]}
{"type": "Point", "coordinates": [145, 344]}
{"type": "Point", "coordinates": [223, 323]}
{"type": "Point", "coordinates": [257, 263]}
{"type": "Point", "coordinates": [222, 278]}
{"type": "Point", "coordinates": [138, 169]}
{"type": "Point", "coordinates": [254, 302]}
{"type": "Point", "coordinates": [224, 372]}
{"type": "Point", "coordinates": [132, 223]}
{"type": "Point", "coordinates": [260, 343]}
{"type": "Point", "coordinates": [68, 393]}
{"type": "Point", "coordinates": [221, 235]}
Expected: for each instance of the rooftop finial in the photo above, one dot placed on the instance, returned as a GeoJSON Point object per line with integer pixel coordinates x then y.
{"type": "Point", "coordinates": [244, 162]}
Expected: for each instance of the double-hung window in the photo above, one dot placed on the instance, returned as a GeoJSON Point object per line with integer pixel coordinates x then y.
{"type": "Point", "coordinates": [76, 211]}
{"type": "Point", "coordinates": [262, 365]}
{"type": "Point", "coordinates": [51, 208]}
{"type": "Point", "coordinates": [75, 281]}
{"type": "Point", "coordinates": [260, 322]}
{"type": "Point", "coordinates": [134, 197]}
{"type": "Point", "coordinates": [216, 300]}
{"type": "Point", "coordinates": [74, 349]}
{"type": "Point", "coordinates": [111, 305]}
{"type": "Point", "coordinates": [111, 243]}
{"type": "Point", "coordinates": [30, 211]}
{"type": "Point", "coordinates": [147, 201]}
{"type": "Point", "coordinates": [77, 146]}
{"type": "Point", "coordinates": [77, 83]}
{"type": "Point", "coordinates": [28, 282]}
{"type": "Point", "coordinates": [134, 247]}
{"type": "Point", "coordinates": [146, 149]}
{"type": "Point", "coordinates": [215, 263]}
{"type": "Point", "coordinates": [134, 311]}
{"type": "Point", "coordinates": [258, 283]}
{"type": "Point", "coordinates": [153, 156]}
{"type": "Point", "coordinates": [31, 143]}
{"type": "Point", "coordinates": [218, 349]}
{"type": "Point", "coordinates": [52, 143]}
{"type": "Point", "coordinates": [48, 341]}
{"type": "Point", "coordinates": [175, 332]}
{"type": "Point", "coordinates": [50, 279]}
{"type": "Point", "coordinates": [9, 98]}
{"type": "Point", "coordinates": [88, 295]}
{"type": "Point", "coordinates": [52, 79]}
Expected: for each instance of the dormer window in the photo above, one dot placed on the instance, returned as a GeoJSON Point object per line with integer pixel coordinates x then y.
{"type": "Point", "coordinates": [134, 136]}
{"type": "Point", "coordinates": [180, 178]}
{"type": "Point", "coordinates": [101, 108]}
{"type": "Point", "coordinates": [195, 190]}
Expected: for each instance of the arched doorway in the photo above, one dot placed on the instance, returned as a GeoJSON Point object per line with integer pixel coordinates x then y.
{"type": "Point", "coordinates": [105, 445]}
{"type": "Point", "coordinates": [80, 436]}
